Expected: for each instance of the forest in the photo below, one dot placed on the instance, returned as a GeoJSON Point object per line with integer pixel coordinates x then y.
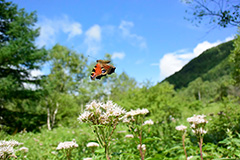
{"type": "Point", "coordinates": [193, 114]}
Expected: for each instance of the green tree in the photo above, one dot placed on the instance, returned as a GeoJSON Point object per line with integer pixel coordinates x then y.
{"type": "Point", "coordinates": [220, 12]}
{"type": "Point", "coordinates": [235, 58]}
{"type": "Point", "coordinates": [121, 85]}
{"type": "Point", "coordinates": [68, 69]}
{"type": "Point", "coordinates": [96, 89]}
{"type": "Point", "coordinates": [18, 53]}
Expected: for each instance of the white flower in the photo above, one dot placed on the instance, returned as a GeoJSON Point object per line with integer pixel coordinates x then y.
{"type": "Point", "coordinates": [197, 123]}
{"type": "Point", "coordinates": [67, 145]}
{"type": "Point", "coordinates": [188, 158]}
{"type": "Point", "coordinates": [129, 136]}
{"type": "Point", "coordinates": [84, 116]}
{"type": "Point", "coordinates": [143, 147]}
{"type": "Point", "coordinates": [137, 112]}
{"type": "Point", "coordinates": [6, 150]}
{"type": "Point", "coordinates": [197, 119]}
{"type": "Point", "coordinates": [148, 122]}
{"type": "Point", "coordinates": [87, 158]}
{"type": "Point", "coordinates": [24, 149]}
{"type": "Point", "coordinates": [10, 143]}
{"type": "Point", "coordinates": [199, 131]}
{"type": "Point", "coordinates": [100, 113]}
{"type": "Point", "coordinates": [113, 109]}
{"type": "Point", "coordinates": [181, 128]}
{"type": "Point", "coordinates": [93, 105]}
{"type": "Point", "coordinates": [92, 144]}
{"type": "Point", "coordinates": [6, 147]}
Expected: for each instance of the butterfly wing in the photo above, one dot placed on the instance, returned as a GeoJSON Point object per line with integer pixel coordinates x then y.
{"type": "Point", "coordinates": [108, 69]}
{"type": "Point", "coordinates": [97, 71]}
{"type": "Point", "coordinates": [102, 68]}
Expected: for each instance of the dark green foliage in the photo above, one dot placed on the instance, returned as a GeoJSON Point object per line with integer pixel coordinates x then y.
{"type": "Point", "coordinates": [201, 65]}
{"type": "Point", "coordinates": [227, 118]}
{"type": "Point", "coordinates": [235, 59]}
{"type": "Point", "coordinates": [18, 53]}
{"type": "Point", "coordinates": [18, 57]}
{"type": "Point", "coordinates": [14, 122]}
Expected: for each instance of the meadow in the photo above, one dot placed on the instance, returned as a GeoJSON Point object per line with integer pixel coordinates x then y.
{"type": "Point", "coordinates": [193, 114]}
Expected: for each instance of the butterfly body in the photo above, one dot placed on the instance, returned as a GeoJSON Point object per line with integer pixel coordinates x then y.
{"type": "Point", "coordinates": [102, 68]}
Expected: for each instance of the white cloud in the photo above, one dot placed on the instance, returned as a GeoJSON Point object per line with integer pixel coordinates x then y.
{"type": "Point", "coordinates": [50, 28]}
{"type": "Point", "coordinates": [93, 39]}
{"type": "Point", "coordinates": [136, 40]}
{"type": "Point", "coordinates": [73, 29]}
{"type": "Point", "coordinates": [36, 73]}
{"type": "Point", "coordinates": [94, 33]}
{"type": "Point", "coordinates": [173, 62]}
{"type": "Point", "coordinates": [229, 38]}
{"type": "Point", "coordinates": [119, 55]}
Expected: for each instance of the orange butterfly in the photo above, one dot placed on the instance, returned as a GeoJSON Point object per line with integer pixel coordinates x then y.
{"type": "Point", "coordinates": [102, 68]}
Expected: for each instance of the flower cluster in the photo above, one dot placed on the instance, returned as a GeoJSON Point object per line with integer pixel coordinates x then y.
{"type": "Point", "coordinates": [100, 113]}
{"type": "Point", "coordinates": [129, 136]}
{"type": "Point", "coordinates": [67, 145]}
{"type": "Point", "coordinates": [130, 116]}
{"type": "Point", "coordinates": [7, 148]}
{"type": "Point", "coordinates": [92, 144]}
{"type": "Point", "coordinates": [181, 128]}
{"type": "Point", "coordinates": [148, 122]}
{"type": "Point", "coordinates": [198, 123]}
{"type": "Point", "coordinates": [143, 147]}
{"type": "Point", "coordinates": [11, 143]}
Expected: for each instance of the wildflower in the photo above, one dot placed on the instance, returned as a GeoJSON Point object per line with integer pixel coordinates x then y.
{"type": "Point", "coordinates": [92, 144]}
{"type": "Point", "coordinates": [87, 158]}
{"type": "Point", "coordinates": [53, 152]}
{"type": "Point", "coordinates": [7, 148]}
{"type": "Point", "coordinates": [148, 122]}
{"type": "Point", "coordinates": [84, 116]}
{"type": "Point", "coordinates": [137, 112]}
{"type": "Point", "coordinates": [24, 149]}
{"type": "Point", "coordinates": [197, 123]}
{"type": "Point", "coordinates": [129, 136]}
{"type": "Point", "coordinates": [67, 145]}
{"type": "Point", "coordinates": [181, 128]}
{"type": "Point", "coordinates": [105, 117]}
{"type": "Point", "coordinates": [188, 158]}
{"type": "Point", "coordinates": [143, 147]}
{"type": "Point", "coordinates": [199, 131]}
{"type": "Point", "coordinates": [10, 143]}
{"type": "Point", "coordinates": [99, 113]}
{"type": "Point", "coordinates": [197, 119]}
{"type": "Point", "coordinates": [129, 116]}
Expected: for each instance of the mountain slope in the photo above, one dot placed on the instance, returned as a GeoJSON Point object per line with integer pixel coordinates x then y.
{"type": "Point", "coordinates": [210, 65]}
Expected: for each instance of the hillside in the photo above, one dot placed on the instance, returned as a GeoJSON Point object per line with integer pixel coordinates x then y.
{"type": "Point", "coordinates": [210, 65]}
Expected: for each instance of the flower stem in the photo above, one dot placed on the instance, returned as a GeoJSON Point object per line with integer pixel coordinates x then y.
{"type": "Point", "coordinates": [200, 146]}
{"type": "Point", "coordinates": [183, 138]}
{"type": "Point", "coordinates": [140, 148]}
{"type": "Point", "coordinates": [107, 152]}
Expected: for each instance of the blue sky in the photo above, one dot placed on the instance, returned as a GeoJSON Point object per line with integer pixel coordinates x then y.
{"type": "Point", "coordinates": [148, 39]}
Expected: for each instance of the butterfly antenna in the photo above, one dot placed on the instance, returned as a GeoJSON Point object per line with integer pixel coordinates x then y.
{"type": "Point", "coordinates": [92, 57]}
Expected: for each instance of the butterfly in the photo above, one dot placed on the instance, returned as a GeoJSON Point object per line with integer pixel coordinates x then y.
{"type": "Point", "coordinates": [102, 68]}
